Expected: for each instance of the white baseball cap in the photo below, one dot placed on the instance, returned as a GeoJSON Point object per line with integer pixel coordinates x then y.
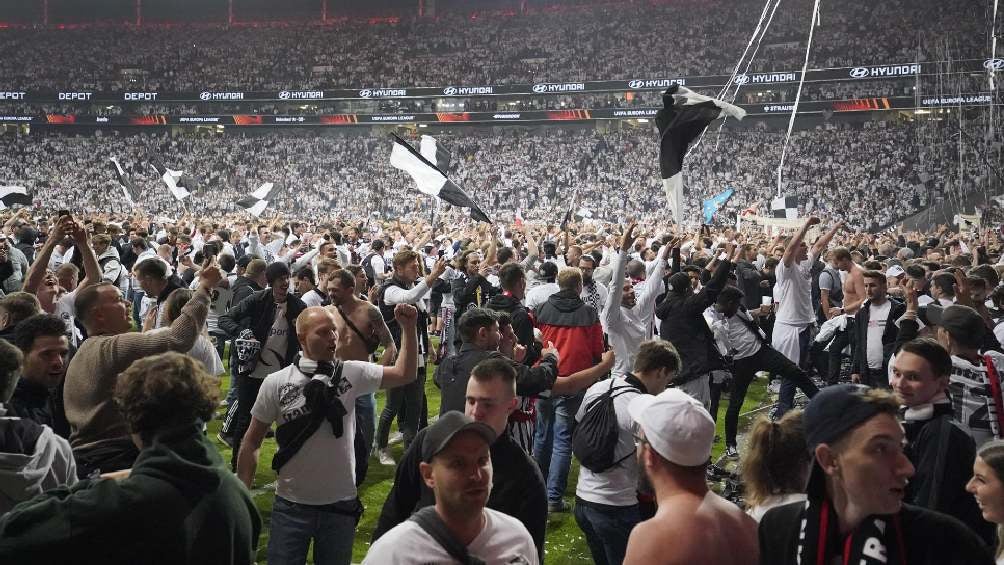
{"type": "Point", "coordinates": [895, 271]}
{"type": "Point", "coordinates": [676, 426]}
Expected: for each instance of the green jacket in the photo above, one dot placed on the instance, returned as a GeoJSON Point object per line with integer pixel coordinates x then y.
{"type": "Point", "coordinates": [180, 505]}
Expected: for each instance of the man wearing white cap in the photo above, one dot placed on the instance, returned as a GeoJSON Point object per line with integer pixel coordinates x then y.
{"type": "Point", "coordinates": [693, 525]}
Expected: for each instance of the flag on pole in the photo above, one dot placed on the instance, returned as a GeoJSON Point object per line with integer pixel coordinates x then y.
{"type": "Point", "coordinates": [784, 207]}
{"type": "Point", "coordinates": [684, 117]}
{"type": "Point", "coordinates": [435, 153]}
{"type": "Point", "coordinates": [570, 211]}
{"type": "Point", "coordinates": [429, 178]}
{"type": "Point", "coordinates": [177, 182]}
{"type": "Point", "coordinates": [128, 188]}
{"type": "Point", "coordinates": [11, 195]}
{"type": "Point", "coordinates": [710, 206]}
{"type": "Point", "coordinates": [260, 198]}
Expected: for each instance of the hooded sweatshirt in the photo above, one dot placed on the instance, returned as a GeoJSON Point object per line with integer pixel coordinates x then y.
{"type": "Point", "coordinates": [180, 505]}
{"type": "Point", "coordinates": [33, 459]}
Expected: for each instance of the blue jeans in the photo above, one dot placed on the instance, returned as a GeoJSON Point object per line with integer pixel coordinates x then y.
{"type": "Point", "coordinates": [365, 428]}
{"type": "Point", "coordinates": [552, 441]}
{"type": "Point", "coordinates": [789, 382]}
{"type": "Point", "coordinates": [294, 525]}
{"type": "Point", "coordinates": [137, 300]}
{"type": "Point", "coordinates": [607, 529]}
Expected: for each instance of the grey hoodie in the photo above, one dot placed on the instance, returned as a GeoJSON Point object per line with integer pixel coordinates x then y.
{"type": "Point", "coordinates": [33, 459]}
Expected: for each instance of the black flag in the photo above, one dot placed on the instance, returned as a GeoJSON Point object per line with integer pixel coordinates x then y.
{"type": "Point", "coordinates": [11, 195]}
{"type": "Point", "coordinates": [684, 117]}
{"type": "Point", "coordinates": [425, 169]}
{"type": "Point", "coordinates": [128, 188]}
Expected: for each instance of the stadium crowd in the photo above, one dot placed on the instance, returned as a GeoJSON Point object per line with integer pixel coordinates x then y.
{"type": "Point", "coordinates": [834, 170]}
{"type": "Point", "coordinates": [612, 41]}
{"type": "Point", "coordinates": [612, 343]}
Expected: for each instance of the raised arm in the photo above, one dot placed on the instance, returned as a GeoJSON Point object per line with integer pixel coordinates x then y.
{"type": "Point", "coordinates": [824, 241]}
{"type": "Point", "coordinates": [405, 369]}
{"type": "Point", "coordinates": [36, 272]}
{"type": "Point", "coordinates": [92, 270]}
{"type": "Point", "coordinates": [383, 332]}
{"type": "Point", "coordinates": [792, 250]}
{"type": "Point", "coordinates": [182, 334]}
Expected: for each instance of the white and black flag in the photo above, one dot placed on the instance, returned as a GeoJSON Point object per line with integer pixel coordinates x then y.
{"type": "Point", "coordinates": [260, 198]}
{"type": "Point", "coordinates": [128, 188]}
{"type": "Point", "coordinates": [425, 169]}
{"type": "Point", "coordinates": [180, 184]}
{"type": "Point", "coordinates": [785, 207]}
{"type": "Point", "coordinates": [684, 116]}
{"type": "Point", "coordinates": [11, 195]}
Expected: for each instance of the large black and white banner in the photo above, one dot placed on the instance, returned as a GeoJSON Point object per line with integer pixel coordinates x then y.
{"type": "Point", "coordinates": [427, 167]}
{"type": "Point", "coordinates": [11, 195]}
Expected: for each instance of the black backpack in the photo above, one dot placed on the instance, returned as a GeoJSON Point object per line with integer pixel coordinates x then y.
{"type": "Point", "coordinates": [368, 269]}
{"type": "Point", "coordinates": [594, 440]}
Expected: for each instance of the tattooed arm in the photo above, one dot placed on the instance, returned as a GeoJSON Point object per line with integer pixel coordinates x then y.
{"type": "Point", "coordinates": [381, 330]}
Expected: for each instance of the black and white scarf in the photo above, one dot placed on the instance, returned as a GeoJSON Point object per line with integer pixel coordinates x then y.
{"type": "Point", "coordinates": [322, 403]}
{"type": "Point", "coordinates": [877, 540]}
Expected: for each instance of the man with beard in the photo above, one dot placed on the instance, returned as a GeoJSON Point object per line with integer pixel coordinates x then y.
{"type": "Point", "coordinates": [457, 466]}
{"type": "Point", "coordinates": [265, 320]}
{"type": "Point", "coordinates": [471, 289]}
{"type": "Point", "coordinates": [361, 330]}
{"type": "Point", "coordinates": [593, 293]}
{"type": "Point", "coordinates": [693, 524]}
{"type": "Point", "coordinates": [606, 502]}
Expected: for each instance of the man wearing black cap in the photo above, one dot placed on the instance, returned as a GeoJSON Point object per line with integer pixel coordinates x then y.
{"type": "Point", "coordinates": [855, 511]}
{"type": "Point", "coordinates": [269, 316]}
{"type": "Point", "coordinates": [457, 466]}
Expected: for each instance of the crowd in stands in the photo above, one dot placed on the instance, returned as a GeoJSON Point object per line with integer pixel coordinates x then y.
{"type": "Point", "coordinates": [871, 176]}
{"type": "Point", "coordinates": [616, 41]}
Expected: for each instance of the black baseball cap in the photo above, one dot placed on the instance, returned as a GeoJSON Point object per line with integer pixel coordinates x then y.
{"type": "Point", "coordinates": [832, 414]}
{"type": "Point", "coordinates": [963, 323]}
{"type": "Point", "coordinates": [438, 435]}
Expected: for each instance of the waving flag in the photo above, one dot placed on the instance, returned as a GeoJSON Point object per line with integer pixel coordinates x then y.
{"type": "Point", "coordinates": [710, 206]}
{"type": "Point", "coordinates": [260, 198]}
{"type": "Point", "coordinates": [684, 117]}
{"type": "Point", "coordinates": [784, 207]}
{"type": "Point", "coordinates": [128, 188]}
{"type": "Point", "coordinates": [177, 182]}
{"type": "Point", "coordinates": [11, 195]}
{"type": "Point", "coordinates": [435, 153]}
{"type": "Point", "coordinates": [429, 177]}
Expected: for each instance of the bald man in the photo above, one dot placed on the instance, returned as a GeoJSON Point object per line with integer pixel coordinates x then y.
{"type": "Point", "coordinates": [313, 401]}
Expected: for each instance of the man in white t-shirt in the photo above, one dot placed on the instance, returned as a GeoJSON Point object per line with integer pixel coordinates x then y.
{"type": "Point", "coordinates": [795, 314]}
{"type": "Point", "coordinates": [313, 401]}
{"type": "Point", "coordinates": [457, 466]}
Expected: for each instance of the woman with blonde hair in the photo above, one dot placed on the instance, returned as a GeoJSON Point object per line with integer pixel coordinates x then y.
{"type": "Point", "coordinates": [987, 485]}
{"type": "Point", "coordinates": [775, 464]}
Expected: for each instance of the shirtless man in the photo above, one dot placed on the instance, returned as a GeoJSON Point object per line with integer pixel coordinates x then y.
{"type": "Point", "coordinates": [693, 525]}
{"type": "Point", "coordinates": [854, 284]}
{"type": "Point", "coordinates": [361, 330]}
